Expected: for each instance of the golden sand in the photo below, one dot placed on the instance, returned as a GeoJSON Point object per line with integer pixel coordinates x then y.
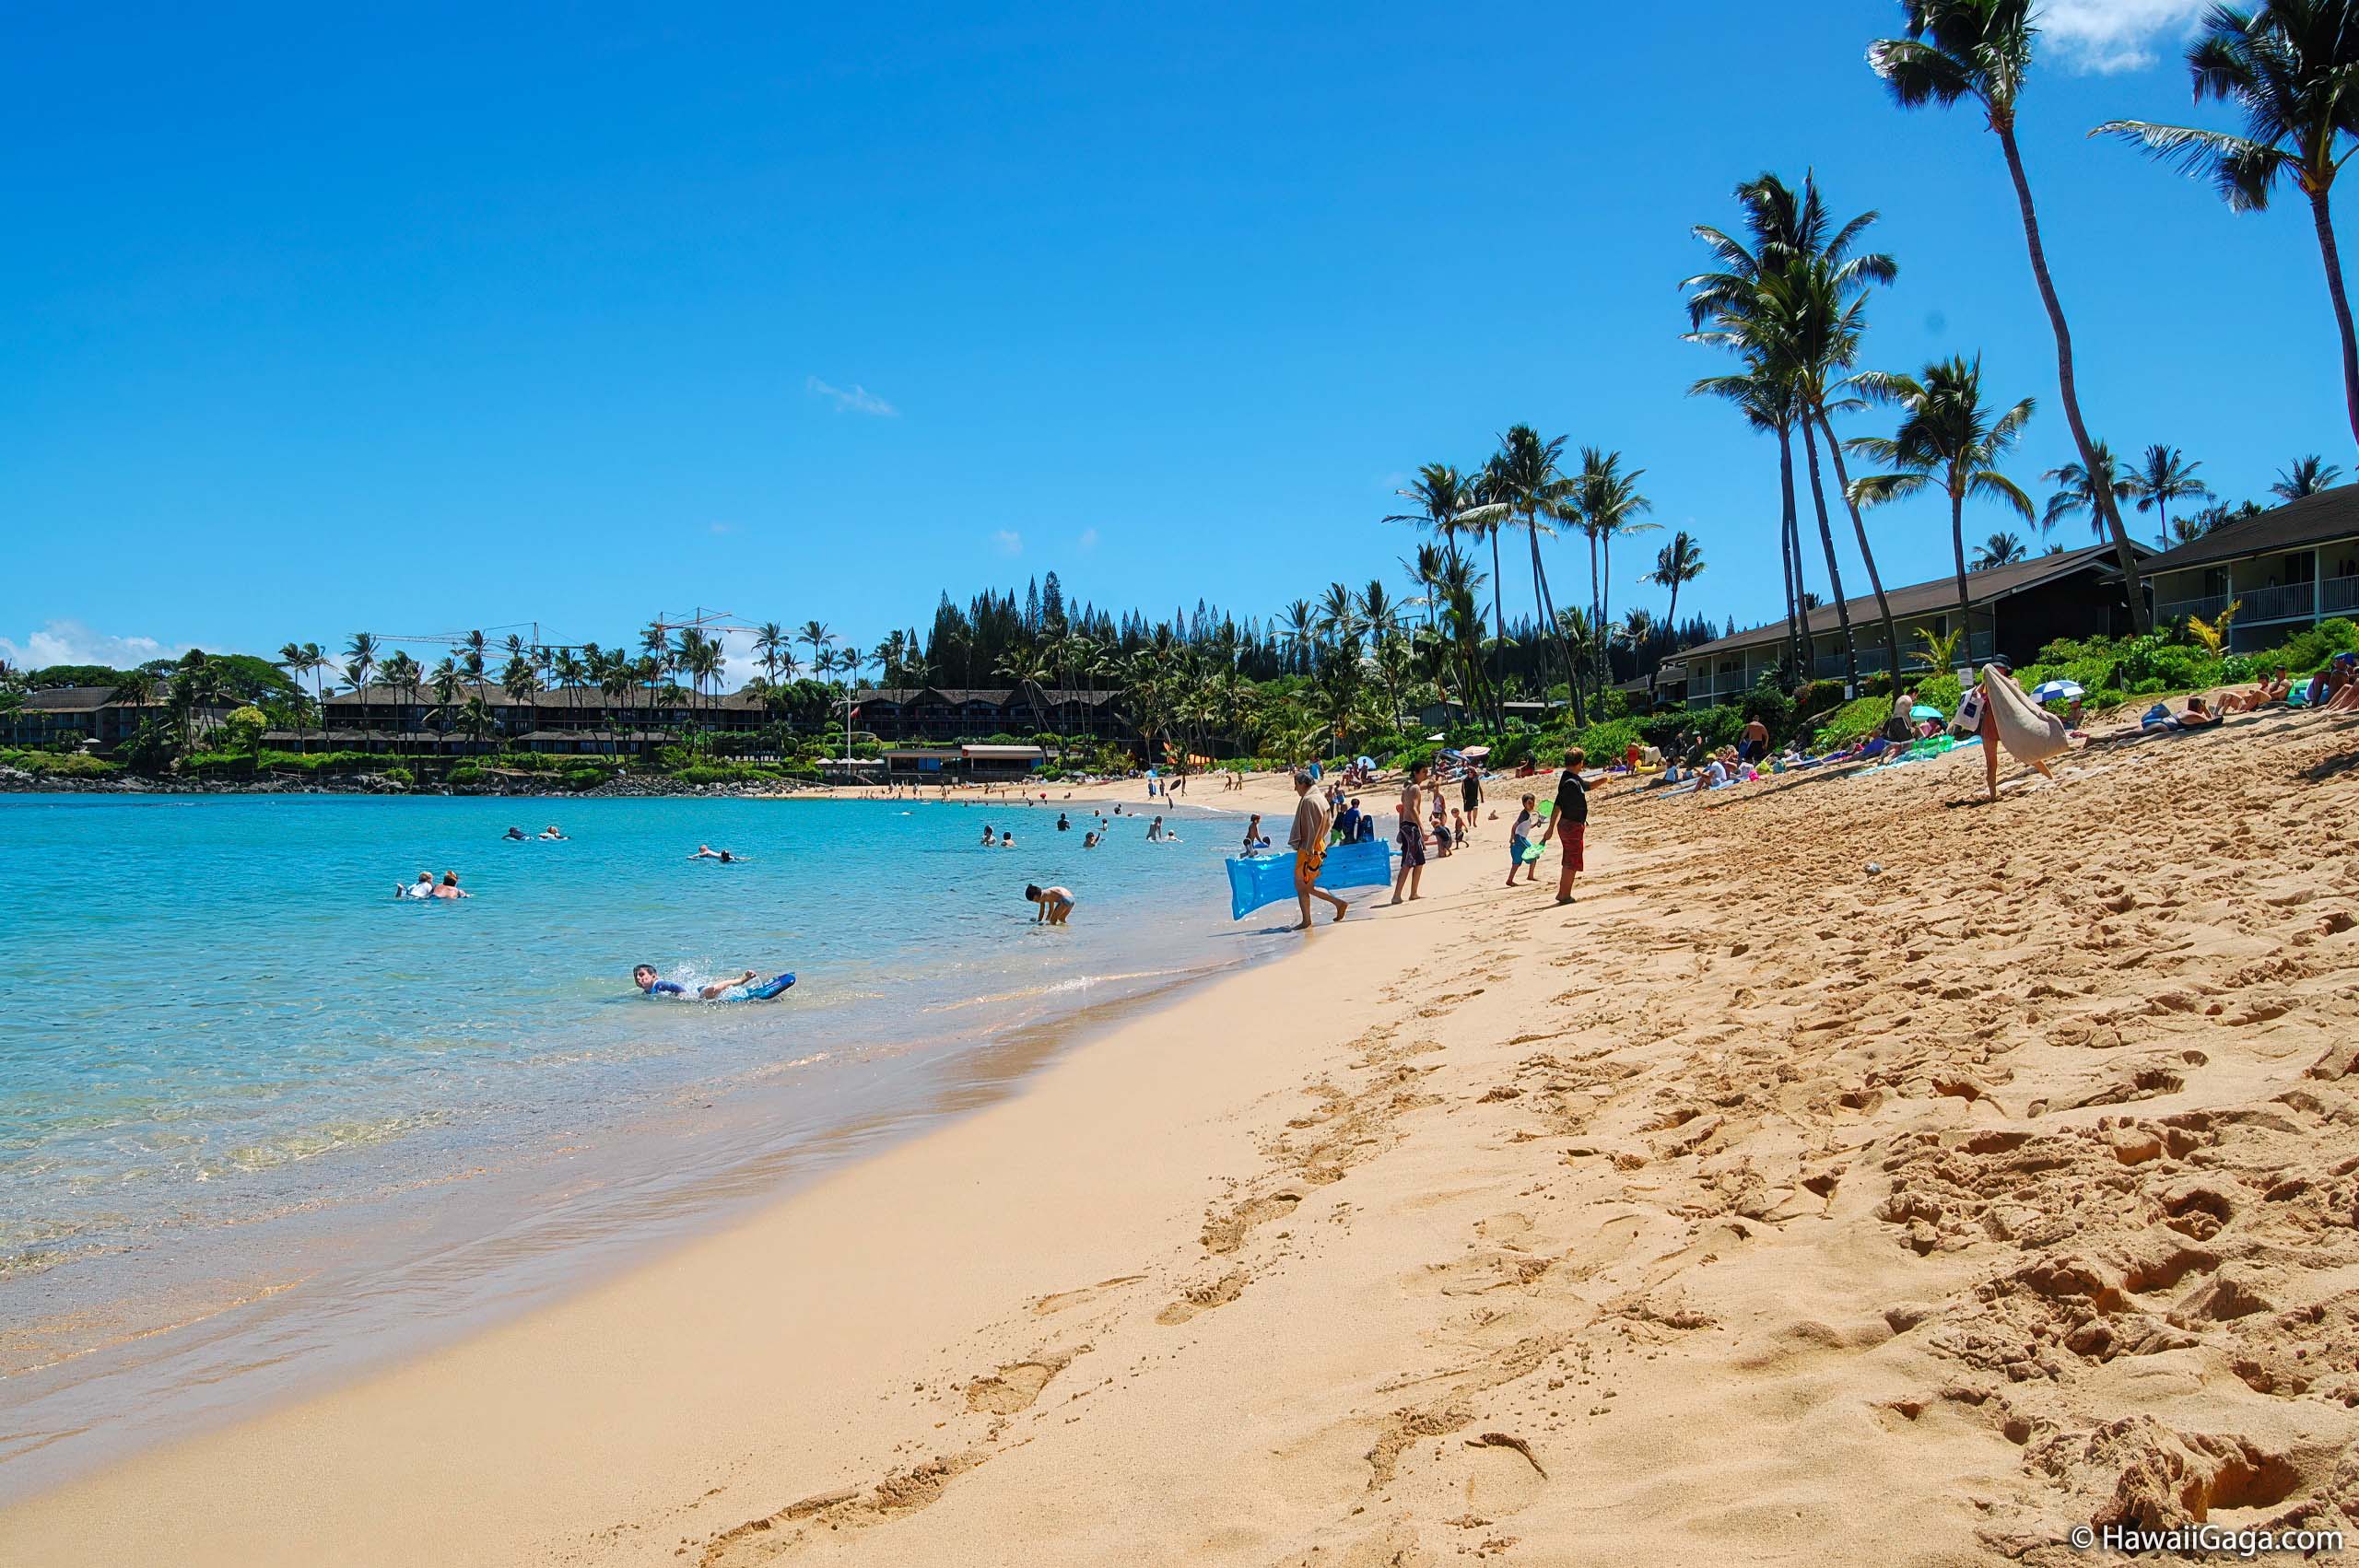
{"type": "Point", "coordinates": [1759, 1207]}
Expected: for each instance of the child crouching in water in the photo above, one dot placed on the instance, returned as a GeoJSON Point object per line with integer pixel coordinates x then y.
{"type": "Point", "coordinates": [1520, 840]}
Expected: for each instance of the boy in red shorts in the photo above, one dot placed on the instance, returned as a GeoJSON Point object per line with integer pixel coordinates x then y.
{"type": "Point", "coordinates": [1570, 822]}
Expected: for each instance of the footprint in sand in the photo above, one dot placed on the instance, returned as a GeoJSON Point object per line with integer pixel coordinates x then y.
{"type": "Point", "coordinates": [1014, 1386]}
{"type": "Point", "coordinates": [1204, 1298]}
{"type": "Point", "coordinates": [1060, 1301]}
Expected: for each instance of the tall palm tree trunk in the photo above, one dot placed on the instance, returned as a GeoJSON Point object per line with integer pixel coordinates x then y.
{"type": "Point", "coordinates": [1500, 631]}
{"type": "Point", "coordinates": [1867, 555]}
{"type": "Point", "coordinates": [1564, 644]}
{"type": "Point", "coordinates": [2332, 255]}
{"type": "Point", "coordinates": [1957, 545]}
{"type": "Point", "coordinates": [1834, 571]}
{"type": "Point", "coordinates": [2140, 618]}
{"type": "Point", "coordinates": [1790, 542]}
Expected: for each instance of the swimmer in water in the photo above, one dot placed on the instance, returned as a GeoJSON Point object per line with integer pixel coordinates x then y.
{"type": "Point", "coordinates": [1007, 839]}
{"type": "Point", "coordinates": [652, 984]}
{"type": "Point", "coordinates": [422, 888]}
{"type": "Point", "coordinates": [514, 833]}
{"type": "Point", "coordinates": [552, 835]}
{"type": "Point", "coordinates": [1154, 831]}
{"type": "Point", "coordinates": [450, 888]}
{"type": "Point", "coordinates": [987, 836]}
{"type": "Point", "coordinates": [1056, 903]}
{"type": "Point", "coordinates": [1090, 841]}
{"type": "Point", "coordinates": [706, 852]}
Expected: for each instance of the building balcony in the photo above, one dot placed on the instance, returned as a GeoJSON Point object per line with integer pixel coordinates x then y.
{"type": "Point", "coordinates": [2339, 595]}
{"type": "Point", "coordinates": [2293, 602]}
{"type": "Point", "coordinates": [2206, 608]}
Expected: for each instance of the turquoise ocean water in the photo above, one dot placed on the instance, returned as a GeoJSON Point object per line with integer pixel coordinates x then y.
{"type": "Point", "coordinates": [257, 1117]}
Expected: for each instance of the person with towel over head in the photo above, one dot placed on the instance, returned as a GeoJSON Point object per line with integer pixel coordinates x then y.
{"type": "Point", "coordinates": [1997, 709]}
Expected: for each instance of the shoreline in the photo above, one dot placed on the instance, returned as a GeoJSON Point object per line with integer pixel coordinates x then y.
{"type": "Point", "coordinates": [1855, 1174]}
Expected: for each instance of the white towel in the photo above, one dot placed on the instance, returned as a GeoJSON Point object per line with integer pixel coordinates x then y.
{"type": "Point", "coordinates": [2029, 731]}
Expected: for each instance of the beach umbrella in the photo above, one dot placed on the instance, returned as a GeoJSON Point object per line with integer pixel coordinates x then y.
{"type": "Point", "coordinates": [1922, 711]}
{"type": "Point", "coordinates": [1475, 754]}
{"type": "Point", "coordinates": [1437, 735]}
{"type": "Point", "coordinates": [1367, 761]}
{"type": "Point", "coordinates": [2056, 691]}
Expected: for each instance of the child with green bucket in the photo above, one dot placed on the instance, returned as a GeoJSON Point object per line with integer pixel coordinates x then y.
{"type": "Point", "coordinates": [1522, 854]}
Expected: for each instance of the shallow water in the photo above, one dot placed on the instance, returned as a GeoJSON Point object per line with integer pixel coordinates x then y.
{"type": "Point", "coordinates": [249, 1097]}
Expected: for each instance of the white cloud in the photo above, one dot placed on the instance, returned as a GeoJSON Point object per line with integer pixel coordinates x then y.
{"type": "Point", "coordinates": [857, 399]}
{"type": "Point", "coordinates": [71, 642]}
{"type": "Point", "coordinates": [1089, 539]}
{"type": "Point", "coordinates": [1007, 542]}
{"type": "Point", "coordinates": [2115, 35]}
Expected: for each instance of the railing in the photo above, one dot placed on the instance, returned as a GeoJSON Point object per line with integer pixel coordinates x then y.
{"type": "Point", "coordinates": [2208, 607]}
{"type": "Point", "coordinates": [2338, 593]}
{"type": "Point", "coordinates": [2291, 602]}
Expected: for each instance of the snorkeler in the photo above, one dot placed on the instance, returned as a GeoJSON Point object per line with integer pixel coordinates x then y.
{"type": "Point", "coordinates": [706, 852]}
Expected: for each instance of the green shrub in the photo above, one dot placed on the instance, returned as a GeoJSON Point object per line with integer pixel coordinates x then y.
{"type": "Point", "coordinates": [463, 775]}
{"type": "Point", "coordinates": [1606, 742]}
{"type": "Point", "coordinates": [58, 764]}
{"type": "Point", "coordinates": [401, 776]}
{"type": "Point", "coordinates": [584, 778]}
{"type": "Point", "coordinates": [2308, 649]}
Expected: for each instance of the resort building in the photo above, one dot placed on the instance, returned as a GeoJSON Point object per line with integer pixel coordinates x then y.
{"type": "Point", "coordinates": [2288, 567]}
{"type": "Point", "coordinates": [2013, 610]}
{"type": "Point", "coordinates": [91, 718]}
{"type": "Point", "coordinates": [953, 713]}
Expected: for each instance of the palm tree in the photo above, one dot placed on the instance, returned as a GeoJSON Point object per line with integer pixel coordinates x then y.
{"type": "Point", "coordinates": [402, 676]}
{"type": "Point", "coordinates": [1029, 671]}
{"type": "Point", "coordinates": [2164, 476]}
{"type": "Point", "coordinates": [444, 684]}
{"type": "Point", "coordinates": [2306, 476]}
{"type": "Point", "coordinates": [1679, 562]}
{"type": "Point", "coordinates": [1981, 49]}
{"type": "Point", "coordinates": [570, 669]}
{"type": "Point", "coordinates": [2077, 491]}
{"type": "Point", "coordinates": [1948, 437]}
{"type": "Point", "coordinates": [1766, 401]}
{"type": "Point", "coordinates": [360, 654]}
{"type": "Point", "coordinates": [2293, 67]}
{"type": "Point", "coordinates": [1524, 477]}
{"type": "Point", "coordinates": [1792, 305]}
{"type": "Point", "coordinates": [299, 660]}
{"type": "Point", "coordinates": [1998, 550]}
{"type": "Point", "coordinates": [771, 641]}
{"type": "Point", "coordinates": [1608, 501]}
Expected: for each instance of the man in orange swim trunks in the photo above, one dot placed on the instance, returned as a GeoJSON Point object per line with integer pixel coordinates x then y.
{"type": "Point", "coordinates": [1308, 841]}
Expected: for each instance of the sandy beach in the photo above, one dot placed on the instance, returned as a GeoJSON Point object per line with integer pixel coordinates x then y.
{"type": "Point", "coordinates": [1851, 1174]}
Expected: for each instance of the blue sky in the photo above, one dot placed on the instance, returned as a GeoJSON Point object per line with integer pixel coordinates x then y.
{"type": "Point", "coordinates": [416, 319]}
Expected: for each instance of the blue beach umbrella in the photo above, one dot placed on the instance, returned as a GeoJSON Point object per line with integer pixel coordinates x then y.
{"type": "Point", "coordinates": [2056, 691]}
{"type": "Point", "coordinates": [1923, 710]}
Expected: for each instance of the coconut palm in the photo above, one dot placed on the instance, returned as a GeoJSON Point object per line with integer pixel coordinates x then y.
{"type": "Point", "coordinates": [302, 658]}
{"type": "Point", "coordinates": [1790, 305]}
{"type": "Point", "coordinates": [1608, 503]}
{"type": "Point", "coordinates": [2161, 477]}
{"type": "Point", "coordinates": [1998, 550]}
{"type": "Point", "coordinates": [2077, 491]}
{"type": "Point", "coordinates": [1677, 563]}
{"type": "Point", "coordinates": [2292, 66]}
{"type": "Point", "coordinates": [360, 658]}
{"type": "Point", "coordinates": [2306, 476]}
{"type": "Point", "coordinates": [402, 676]}
{"type": "Point", "coordinates": [1766, 401]}
{"type": "Point", "coordinates": [1525, 476]}
{"type": "Point", "coordinates": [1982, 50]}
{"type": "Point", "coordinates": [1948, 438]}
{"type": "Point", "coordinates": [444, 684]}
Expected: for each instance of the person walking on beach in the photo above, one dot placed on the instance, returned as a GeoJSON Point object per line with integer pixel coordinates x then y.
{"type": "Point", "coordinates": [1413, 835]}
{"type": "Point", "coordinates": [1309, 842]}
{"type": "Point", "coordinates": [1570, 822]}
{"type": "Point", "coordinates": [1470, 794]}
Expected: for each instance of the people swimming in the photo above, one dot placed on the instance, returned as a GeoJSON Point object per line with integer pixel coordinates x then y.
{"type": "Point", "coordinates": [422, 888]}
{"type": "Point", "coordinates": [748, 986]}
{"type": "Point", "coordinates": [1154, 831]}
{"type": "Point", "coordinates": [447, 888]}
{"type": "Point", "coordinates": [515, 835]}
{"type": "Point", "coordinates": [987, 836]}
{"type": "Point", "coordinates": [549, 835]}
{"type": "Point", "coordinates": [1064, 824]}
{"type": "Point", "coordinates": [1056, 903]}
{"type": "Point", "coordinates": [1007, 839]}
{"type": "Point", "coordinates": [706, 852]}
{"type": "Point", "coordinates": [1090, 841]}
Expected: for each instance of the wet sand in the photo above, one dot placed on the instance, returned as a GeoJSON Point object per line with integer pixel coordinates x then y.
{"type": "Point", "coordinates": [1760, 1206]}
